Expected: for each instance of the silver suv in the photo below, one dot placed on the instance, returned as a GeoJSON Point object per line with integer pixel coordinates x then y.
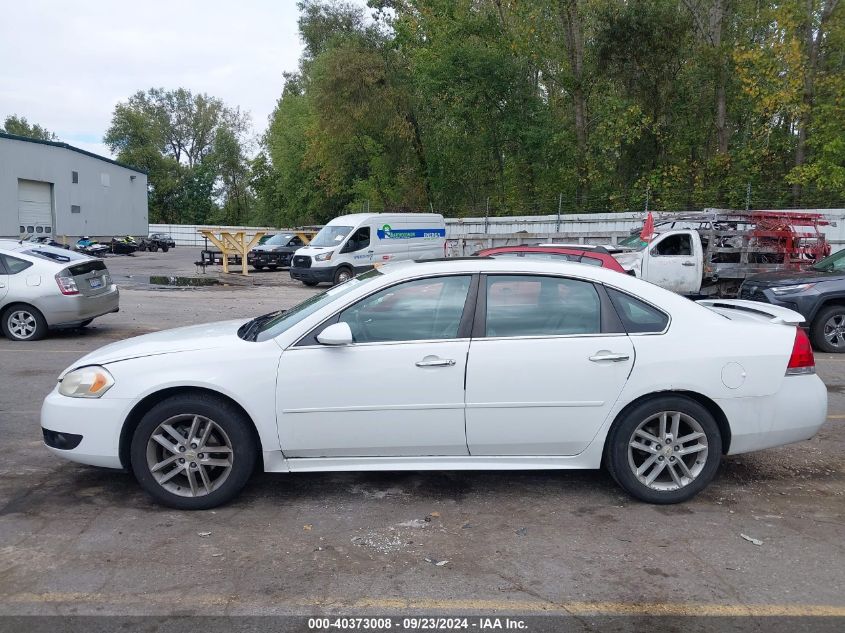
{"type": "Point", "coordinates": [43, 287]}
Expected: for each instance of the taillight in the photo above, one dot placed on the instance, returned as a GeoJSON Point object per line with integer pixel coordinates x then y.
{"type": "Point", "coordinates": [67, 285]}
{"type": "Point", "coordinates": [802, 360]}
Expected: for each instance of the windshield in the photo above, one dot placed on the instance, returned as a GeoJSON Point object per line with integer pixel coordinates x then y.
{"type": "Point", "coordinates": [330, 235]}
{"type": "Point", "coordinates": [833, 262]}
{"type": "Point", "coordinates": [279, 240]}
{"type": "Point", "coordinates": [271, 325]}
{"type": "Point", "coordinates": [633, 241]}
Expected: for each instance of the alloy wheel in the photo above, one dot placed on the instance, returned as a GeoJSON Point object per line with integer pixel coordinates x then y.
{"type": "Point", "coordinates": [189, 455]}
{"type": "Point", "coordinates": [22, 324]}
{"type": "Point", "coordinates": [667, 450]}
{"type": "Point", "coordinates": [834, 330]}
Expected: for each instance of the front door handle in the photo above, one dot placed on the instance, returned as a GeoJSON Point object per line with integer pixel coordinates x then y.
{"type": "Point", "coordinates": [613, 358]}
{"type": "Point", "coordinates": [687, 263]}
{"type": "Point", "coordinates": [434, 361]}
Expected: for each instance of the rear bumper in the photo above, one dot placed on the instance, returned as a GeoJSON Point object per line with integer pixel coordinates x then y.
{"type": "Point", "coordinates": [63, 310]}
{"type": "Point", "coordinates": [794, 413]}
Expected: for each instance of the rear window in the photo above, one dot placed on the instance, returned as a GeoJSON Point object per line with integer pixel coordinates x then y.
{"type": "Point", "coordinates": [51, 255]}
{"type": "Point", "coordinates": [637, 316]}
{"type": "Point", "coordinates": [13, 265]}
{"type": "Point", "coordinates": [87, 267]}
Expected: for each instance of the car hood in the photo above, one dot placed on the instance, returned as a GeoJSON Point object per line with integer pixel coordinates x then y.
{"type": "Point", "coordinates": [792, 277]}
{"type": "Point", "coordinates": [183, 339]}
{"type": "Point", "coordinates": [270, 249]}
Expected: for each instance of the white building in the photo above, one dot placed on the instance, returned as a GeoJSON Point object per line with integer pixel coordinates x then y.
{"type": "Point", "coordinates": [49, 188]}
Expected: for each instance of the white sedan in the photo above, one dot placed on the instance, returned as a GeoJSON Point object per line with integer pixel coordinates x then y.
{"type": "Point", "coordinates": [466, 364]}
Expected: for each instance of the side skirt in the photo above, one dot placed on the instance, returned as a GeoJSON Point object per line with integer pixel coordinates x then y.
{"type": "Point", "coordinates": [274, 462]}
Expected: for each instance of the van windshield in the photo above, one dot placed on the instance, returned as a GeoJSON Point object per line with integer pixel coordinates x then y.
{"type": "Point", "coordinates": [330, 235]}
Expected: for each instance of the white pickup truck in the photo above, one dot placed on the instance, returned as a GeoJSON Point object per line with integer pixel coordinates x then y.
{"type": "Point", "coordinates": [710, 255]}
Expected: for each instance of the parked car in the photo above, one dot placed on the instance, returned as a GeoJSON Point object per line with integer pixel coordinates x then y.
{"type": "Point", "coordinates": [275, 252]}
{"type": "Point", "coordinates": [351, 244]}
{"type": "Point", "coordinates": [592, 255]}
{"type": "Point", "coordinates": [43, 287]}
{"type": "Point", "coordinates": [163, 239]}
{"type": "Point", "coordinates": [818, 294]}
{"type": "Point", "coordinates": [464, 364]}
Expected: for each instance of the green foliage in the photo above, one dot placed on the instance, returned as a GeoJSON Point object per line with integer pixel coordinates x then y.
{"type": "Point", "coordinates": [193, 148]}
{"type": "Point", "coordinates": [18, 125]}
{"type": "Point", "coordinates": [458, 105]}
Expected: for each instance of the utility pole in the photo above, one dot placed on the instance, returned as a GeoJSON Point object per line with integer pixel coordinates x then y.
{"type": "Point", "coordinates": [647, 194]}
{"type": "Point", "coordinates": [559, 203]}
{"type": "Point", "coordinates": [487, 215]}
{"type": "Point", "coordinates": [748, 197]}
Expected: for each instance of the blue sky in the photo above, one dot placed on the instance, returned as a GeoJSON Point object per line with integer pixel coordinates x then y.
{"type": "Point", "coordinates": [65, 65]}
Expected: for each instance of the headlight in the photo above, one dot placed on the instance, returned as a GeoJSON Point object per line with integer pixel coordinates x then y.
{"type": "Point", "coordinates": [788, 290]}
{"type": "Point", "coordinates": [324, 257]}
{"type": "Point", "coordinates": [86, 382]}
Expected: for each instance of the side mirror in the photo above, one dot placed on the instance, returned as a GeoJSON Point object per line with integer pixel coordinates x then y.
{"type": "Point", "coordinates": [337, 334]}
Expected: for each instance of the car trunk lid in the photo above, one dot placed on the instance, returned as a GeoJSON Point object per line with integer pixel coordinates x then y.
{"type": "Point", "coordinates": [92, 277]}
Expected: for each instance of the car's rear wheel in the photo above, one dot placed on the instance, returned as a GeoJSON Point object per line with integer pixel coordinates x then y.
{"type": "Point", "coordinates": [828, 330]}
{"type": "Point", "coordinates": [272, 267]}
{"type": "Point", "coordinates": [23, 323]}
{"type": "Point", "coordinates": [664, 450]}
{"type": "Point", "coordinates": [193, 452]}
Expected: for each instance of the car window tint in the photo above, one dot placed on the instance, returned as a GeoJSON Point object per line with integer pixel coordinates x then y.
{"type": "Point", "coordinates": [424, 309]}
{"type": "Point", "coordinates": [529, 305]}
{"type": "Point", "coordinates": [15, 265]}
{"type": "Point", "coordinates": [567, 257]}
{"type": "Point", "coordinates": [592, 261]}
{"type": "Point", "coordinates": [637, 316]}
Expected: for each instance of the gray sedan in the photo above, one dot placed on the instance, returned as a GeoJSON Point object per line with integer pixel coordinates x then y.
{"type": "Point", "coordinates": [43, 287]}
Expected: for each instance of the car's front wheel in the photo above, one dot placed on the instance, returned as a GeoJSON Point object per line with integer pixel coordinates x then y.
{"type": "Point", "coordinates": [664, 450]}
{"type": "Point", "coordinates": [21, 322]}
{"type": "Point", "coordinates": [193, 452]}
{"type": "Point", "coordinates": [828, 330]}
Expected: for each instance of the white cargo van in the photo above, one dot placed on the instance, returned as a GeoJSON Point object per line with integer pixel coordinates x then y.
{"type": "Point", "coordinates": [351, 244]}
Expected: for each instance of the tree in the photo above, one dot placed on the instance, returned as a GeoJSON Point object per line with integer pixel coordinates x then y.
{"type": "Point", "coordinates": [192, 147]}
{"type": "Point", "coordinates": [21, 127]}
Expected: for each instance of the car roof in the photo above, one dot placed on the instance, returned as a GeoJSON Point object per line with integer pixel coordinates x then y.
{"type": "Point", "coordinates": [52, 254]}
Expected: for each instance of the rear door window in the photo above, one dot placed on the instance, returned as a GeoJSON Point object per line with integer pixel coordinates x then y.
{"type": "Point", "coordinates": [534, 305]}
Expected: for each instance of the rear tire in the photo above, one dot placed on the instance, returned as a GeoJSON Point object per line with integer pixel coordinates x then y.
{"type": "Point", "coordinates": [199, 468]}
{"type": "Point", "coordinates": [21, 322]}
{"type": "Point", "coordinates": [664, 450]}
{"type": "Point", "coordinates": [164, 249]}
{"type": "Point", "coordinates": [825, 331]}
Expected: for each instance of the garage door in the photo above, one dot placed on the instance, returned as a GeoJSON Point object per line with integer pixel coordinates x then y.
{"type": "Point", "coordinates": [35, 207]}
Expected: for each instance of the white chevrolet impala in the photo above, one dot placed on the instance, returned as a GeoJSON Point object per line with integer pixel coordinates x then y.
{"type": "Point", "coordinates": [465, 364]}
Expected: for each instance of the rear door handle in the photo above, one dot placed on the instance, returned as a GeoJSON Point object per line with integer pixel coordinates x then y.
{"type": "Point", "coordinates": [613, 358]}
{"type": "Point", "coordinates": [434, 361]}
{"type": "Point", "coordinates": [687, 263]}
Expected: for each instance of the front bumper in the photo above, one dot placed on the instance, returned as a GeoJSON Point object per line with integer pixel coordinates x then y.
{"type": "Point", "coordinates": [67, 310]}
{"type": "Point", "coordinates": [269, 259]}
{"type": "Point", "coordinates": [323, 273]}
{"type": "Point", "coordinates": [97, 421]}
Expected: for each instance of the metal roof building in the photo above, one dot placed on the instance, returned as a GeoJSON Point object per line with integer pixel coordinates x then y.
{"type": "Point", "coordinates": [51, 188]}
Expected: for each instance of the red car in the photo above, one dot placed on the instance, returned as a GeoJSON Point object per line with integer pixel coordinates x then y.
{"type": "Point", "coordinates": [593, 255]}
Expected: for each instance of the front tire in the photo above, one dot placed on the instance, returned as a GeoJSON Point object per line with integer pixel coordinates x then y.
{"type": "Point", "coordinates": [193, 452]}
{"type": "Point", "coordinates": [310, 284]}
{"type": "Point", "coordinates": [342, 275]}
{"type": "Point", "coordinates": [21, 322]}
{"type": "Point", "coordinates": [828, 330]}
{"type": "Point", "coordinates": [664, 450]}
